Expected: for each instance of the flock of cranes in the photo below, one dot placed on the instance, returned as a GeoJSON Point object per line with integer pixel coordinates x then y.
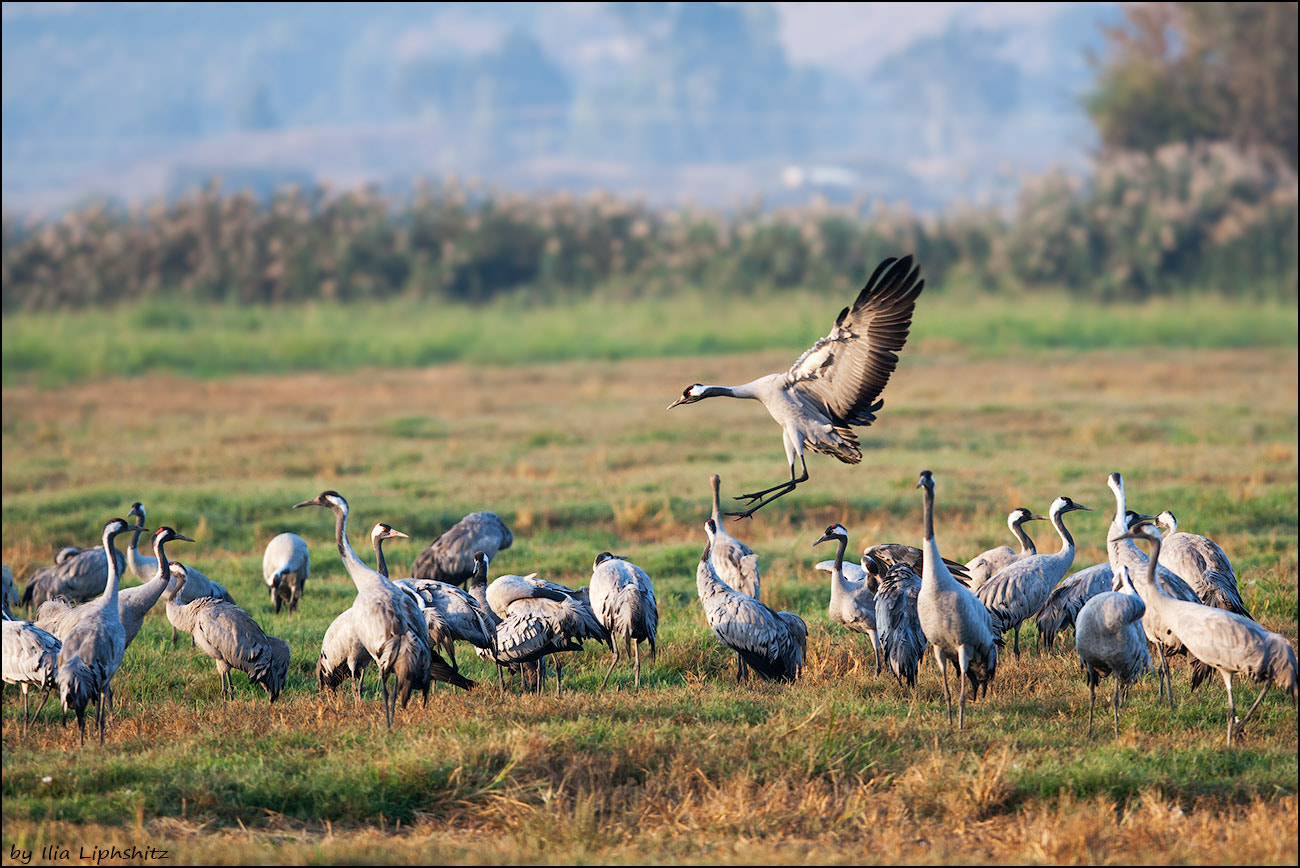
{"type": "Point", "coordinates": [1182, 599]}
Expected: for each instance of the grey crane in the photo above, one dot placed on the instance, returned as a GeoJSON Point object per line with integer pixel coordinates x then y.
{"type": "Point", "coordinates": [79, 578]}
{"type": "Point", "coordinates": [342, 655]}
{"type": "Point", "coordinates": [835, 384]}
{"type": "Point", "coordinates": [450, 557]}
{"type": "Point", "coordinates": [541, 618]}
{"type": "Point", "coordinates": [853, 603]}
{"type": "Point", "coordinates": [1109, 640]}
{"type": "Point", "coordinates": [1123, 552]}
{"type": "Point", "coordinates": [1020, 589]}
{"type": "Point", "coordinates": [1201, 563]}
{"type": "Point", "coordinates": [388, 622]}
{"type": "Point", "coordinates": [755, 631]}
{"type": "Point", "coordinates": [902, 642]}
{"type": "Point", "coordinates": [734, 562]}
{"type": "Point", "coordinates": [888, 554]}
{"type": "Point", "coordinates": [478, 590]}
{"type": "Point", "coordinates": [623, 598]}
{"type": "Point", "coordinates": [953, 619]}
{"type": "Point", "coordinates": [59, 616]}
{"type": "Point", "coordinates": [31, 659]}
{"type": "Point", "coordinates": [286, 564]}
{"type": "Point", "coordinates": [146, 567]}
{"type": "Point", "coordinates": [1230, 643]}
{"type": "Point", "coordinates": [1068, 597]}
{"type": "Point", "coordinates": [66, 553]}
{"type": "Point", "coordinates": [983, 566]}
{"type": "Point", "coordinates": [231, 637]}
{"type": "Point", "coordinates": [92, 650]}
{"type": "Point", "coordinates": [8, 596]}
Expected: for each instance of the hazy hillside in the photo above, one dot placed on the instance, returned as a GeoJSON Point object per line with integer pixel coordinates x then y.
{"type": "Point", "coordinates": [916, 102]}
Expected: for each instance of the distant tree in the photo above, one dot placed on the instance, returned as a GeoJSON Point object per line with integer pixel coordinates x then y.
{"type": "Point", "coordinates": [1200, 71]}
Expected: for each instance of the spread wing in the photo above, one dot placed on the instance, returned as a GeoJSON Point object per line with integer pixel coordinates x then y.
{"type": "Point", "coordinates": [845, 372]}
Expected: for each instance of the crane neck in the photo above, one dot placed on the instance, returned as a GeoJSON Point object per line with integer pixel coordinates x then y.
{"type": "Point", "coordinates": [1027, 546]}
{"type": "Point", "coordinates": [356, 567]}
{"type": "Point", "coordinates": [164, 569]}
{"type": "Point", "coordinates": [381, 566]}
{"type": "Point", "coordinates": [133, 556]}
{"type": "Point", "coordinates": [1067, 541]}
{"type": "Point", "coordinates": [717, 500]}
{"type": "Point", "coordinates": [743, 391]}
{"type": "Point", "coordinates": [838, 583]}
{"type": "Point", "coordinates": [109, 597]}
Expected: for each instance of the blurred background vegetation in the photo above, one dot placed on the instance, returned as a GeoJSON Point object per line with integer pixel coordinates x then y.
{"type": "Point", "coordinates": [1193, 189]}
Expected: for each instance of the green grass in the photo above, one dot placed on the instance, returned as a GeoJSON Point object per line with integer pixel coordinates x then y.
{"type": "Point", "coordinates": [579, 458]}
{"type": "Point", "coordinates": [215, 341]}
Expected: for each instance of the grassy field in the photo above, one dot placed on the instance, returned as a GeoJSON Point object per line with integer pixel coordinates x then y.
{"type": "Point", "coordinates": [578, 457]}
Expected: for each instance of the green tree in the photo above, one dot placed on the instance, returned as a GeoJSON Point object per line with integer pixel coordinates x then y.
{"type": "Point", "coordinates": [1198, 71]}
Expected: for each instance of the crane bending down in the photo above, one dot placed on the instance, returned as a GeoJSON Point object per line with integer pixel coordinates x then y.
{"type": "Point", "coordinates": [836, 383]}
{"type": "Point", "coordinates": [231, 637]}
{"type": "Point", "coordinates": [853, 603]}
{"type": "Point", "coordinates": [1231, 643]}
{"type": "Point", "coordinates": [31, 659]}
{"type": "Point", "coordinates": [1201, 563]}
{"type": "Point", "coordinates": [734, 562]}
{"type": "Point", "coordinates": [1109, 640]}
{"type": "Point", "coordinates": [986, 564]}
{"type": "Point", "coordinates": [772, 643]}
{"type": "Point", "coordinates": [953, 618]}
{"type": "Point", "coordinates": [286, 564]}
{"type": "Point", "coordinates": [92, 650]}
{"type": "Point", "coordinates": [623, 598]}
{"type": "Point", "coordinates": [902, 643]}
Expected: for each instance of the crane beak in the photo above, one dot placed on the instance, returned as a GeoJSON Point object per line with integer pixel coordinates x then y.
{"type": "Point", "coordinates": [315, 501]}
{"type": "Point", "coordinates": [1081, 506]}
{"type": "Point", "coordinates": [825, 538]}
{"type": "Point", "coordinates": [396, 533]}
{"type": "Point", "coordinates": [182, 537]}
{"type": "Point", "coordinates": [682, 400]}
{"type": "Point", "coordinates": [137, 527]}
{"type": "Point", "coordinates": [1036, 517]}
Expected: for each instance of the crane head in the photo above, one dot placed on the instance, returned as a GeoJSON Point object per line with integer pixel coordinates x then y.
{"type": "Point", "coordinates": [384, 531]}
{"type": "Point", "coordinates": [1020, 515]}
{"type": "Point", "coordinates": [330, 499]}
{"type": "Point", "coordinates": [690, 395]}
{"type": "Point", "coordinates": [926, 480]}
{"type": "Point", "coordinates": [137, 509]}
{"type": "Point", "coordinates": [834, 532]}
{"type": "Point", "coordinates": [1063, 504]}
{"type": "Point", "coordinates": [602, 557]}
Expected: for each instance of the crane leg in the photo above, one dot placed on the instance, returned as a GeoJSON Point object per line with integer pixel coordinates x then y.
{"type": "Point", "coordinates": [636, 663]}
{"type": "Point", "coordinates": [25, 708]}
{"type": "Point", "coordinates": [943, 673]}
{"type": "Point", "coordinates": [559, 668]}
{"type": "Point", "coordinates": [875, 645]}
{"type": "Point", "coordinates": [611, 667]}
{"type": "Point", "coordinates": [963, 664]}
{"type": "Point", "coordinates": [1092, 701]}
{"type": "Point", "coordinates": [1016, 646]}
{"type": "Point", "coordinates": [1115, 703]}
{"type": "Point", "coordinates": [1232, 706]}
{"type": "Point", "coordinates": [780, 491]}
{"type": "Point", "coordinates": [1240, 726]}
{"type": "Point", "coordinates": [99, 713]}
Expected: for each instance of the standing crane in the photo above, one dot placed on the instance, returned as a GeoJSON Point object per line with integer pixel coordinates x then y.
{"type": "Point", "coordinates": [1231, 643]}
{"type": "Point", "coordinates": [31, 659]}
{"type": "Point", "coordinates": [983, 566]}
{"type": "Point", "coordinates": [1123, 552]}
{"type": "Point", "coordinates": [450, 557]}
{"type": "Point", "coordinates": [835, 384]}
{"type": "Point", "coordinates": [286, 564]}
{"type": "Point", "coordinates": [1019, 590]}
{"type": "Point", "coordinates": [1200, 562]}
{"type": "Point", "coordinates": [853, 603]}
{"type": "Point", "coordinates": [623, 598]}
{"type": "Point", "coordinates": [1109, 639]}
{"type": "Point", "coordinates": [231, 637]}
{"type": "Point", "coordinates": [92, 650]}
{"type": "Point", "coordinates": [388, 621]}
{"type": "Point", "coordinates": [59, 616]}
{"type": "Point", "coordinates": [734, 562]}
{"type": "Point", "coordinates": [772, 643]}
{"type": "Point", "coordinates": [952, 618]}
{"type": "Point", "coordinates": [902, 643]}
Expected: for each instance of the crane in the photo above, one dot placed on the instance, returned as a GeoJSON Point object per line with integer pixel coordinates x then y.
{"type": "Point", "coordinates": [1230, 643]}
{"type": "Point", "coordinates": [1019, 590]}
{"type": "Point", "coordinates": [286, 564]}
{"type": "Point", "coordinates": [902, 643]}
{"type": "Point", "coordinates": [450, 557]}
{"type": "Point", "coordinates": [757, 632]}
{"type": "Point", "coordinates": [982, 567]}
{"type": "Point", "coordinates": [623, 598]}
{"type": "Point", "coordinates": [541, 618]}
{"type": "Point", "coordinates": [388, 622]}
{"type": "Point", "coordinates": [1201, 563]}
{"type": "Point", "coordinates": [231, 637]}
{"type": "Point", "coordinates": [92, 650]}
{"type": "Point", "coordinates": [853, 603]}
{"type": "Point", "coordinates": [735, 563]}
{"type": "Point", "coordinates": [953, 619]}
{"type": "Point", "coordinates": [31, 659]}
{"type": "Point", "coordinates": [836, 383]}
{"type": "Point", "coordinates": [1109, 639]}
